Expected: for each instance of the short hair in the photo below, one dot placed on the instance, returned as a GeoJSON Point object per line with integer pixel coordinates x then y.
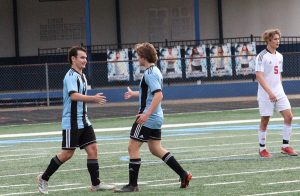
{"type": "Point", "coordinates": [73, 51]}
{"type": "Point", "coordinates": [147, 51]}
{"type": "Point", "coordinates": [269, 34]}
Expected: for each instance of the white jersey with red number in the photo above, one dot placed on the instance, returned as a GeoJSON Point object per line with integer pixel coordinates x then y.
{"type": "Point", "coordinates": [271, 66]}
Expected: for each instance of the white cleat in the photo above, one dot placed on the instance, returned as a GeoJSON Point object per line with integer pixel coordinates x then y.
{"type": "Point", "coordinates": [42, 184]}
{"type": "Point", "coordinates": [101, 187]}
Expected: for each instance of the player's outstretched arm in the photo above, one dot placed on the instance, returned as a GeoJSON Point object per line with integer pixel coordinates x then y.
{"type": "Point", "coordinates": [130, 93]}
{"type": "Point", "coordinates": [98, 98]}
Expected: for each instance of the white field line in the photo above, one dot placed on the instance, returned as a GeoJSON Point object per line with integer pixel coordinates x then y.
{"type": "Point", "coordinates": [164, 126]}
{"type": "Point", "coordinates": [15, 185]}
{"type": "Point", "coordinates": [224, 183]}
{"type": "Point", "coordinates": [16, 155]}
{"type": "Point", "coordinates": [36, 192]}
{"type": "Point", "coordinates": [188, 149]}
{"type": "Point", "coordinates": [165, 140]}
{"type": "Point", "coordinates": [282, 182]}
{"type": "Point", "coordinates": [168, 184]}
{"type": "Point", "coordinates": [174, 148]}
{"type": "Point", "coordinates": [275, 193]}
{"type": "Point", "coordinates": [21, 185]}
{"type": "Point", "coordinates": [3, 160]}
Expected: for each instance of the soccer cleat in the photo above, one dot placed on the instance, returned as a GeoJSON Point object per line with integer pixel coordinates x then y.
{"type": "Point", "coordinates": [127, 188]}
{"type": "Point", "coordinates": [42, 184]}
{"type": "Point", "coordinates": [186, 180]}
{"type": "Point", "coordinates": [288, 150]}
{"type": "Point", "coordinates": [101, 187]}
{"type": "Point", "coordinates": [265, 154]}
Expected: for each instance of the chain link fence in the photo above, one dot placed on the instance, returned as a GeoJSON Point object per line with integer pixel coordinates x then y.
{"type": "Point", "coordinates": [41, 84]}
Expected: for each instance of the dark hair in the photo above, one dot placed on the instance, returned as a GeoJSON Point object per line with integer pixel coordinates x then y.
{"type": "Point", "coordinates": [73, 51]}
{"type": "Point", "coordinates": [147, 51]}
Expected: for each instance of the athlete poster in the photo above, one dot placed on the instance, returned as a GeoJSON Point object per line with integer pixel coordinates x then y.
{"type": "Point", "coordinates": [138, 71]}
{"type": "Point", "coordinates": [117, 64]}
{"type": "Point", "coordinates": [245, 58]}
{"type": "Point", "coordinates": [220, 60]}
{"type": "Point", "coordinates": [195, 61]}
{"type": "Point", "coordinates": [170, 62]}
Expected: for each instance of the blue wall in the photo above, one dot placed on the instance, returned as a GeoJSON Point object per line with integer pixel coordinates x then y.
{"type": "Point", "coordinates": [172, 92]}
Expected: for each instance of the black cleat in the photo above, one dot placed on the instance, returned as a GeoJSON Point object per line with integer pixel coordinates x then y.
{"type": "Point", "coordinates": [186, 180]}
{"type": "Point", "coordinates": [127, 188]}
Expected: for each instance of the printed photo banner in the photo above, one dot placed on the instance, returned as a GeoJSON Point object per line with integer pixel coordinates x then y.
{"type": "Point", "coordinates": [138, 70]}
{"type": "Point", "coordinates": [170, 63]}
{"type": "Point", "coordinates": [245, 58]}
{"type": "Point", "coordinates": [195, 61]}
{"type": "Point", "coordinates": [220, 65]}
{"type": "Point", "coordinates": [118, 65]}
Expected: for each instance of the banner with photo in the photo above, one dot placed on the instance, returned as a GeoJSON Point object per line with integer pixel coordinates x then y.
{"type": "Point", "coordinates": [138, 71]}
{"type": "Point", "coordinates": [118, 65]}
{"type": "Point", "coordinates": [195, 61]}
{"type": "Point", "coordinates": [245, 58]}
{"type": "Point", "coordinates": [220, 60]}
{"type": "Point", "coordinates": [170, 62]}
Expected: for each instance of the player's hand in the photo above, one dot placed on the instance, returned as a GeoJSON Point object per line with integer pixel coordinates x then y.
{"type": "Point", "coordinates": [272, 97]}
{"type": "Point", "coordinates": [128, 94]}
{"type": "Point", "coordinates": [100, 98]}
{"type": "Point", "coordinates": [142, 118]}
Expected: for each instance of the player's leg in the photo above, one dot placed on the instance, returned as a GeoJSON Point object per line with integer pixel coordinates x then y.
{"type": "Point", "coordinates": [69, 143]}
{"type": "Point", "coordinates": [138, 135]}
{"type": "Point", "coordinates": [266, 108]}
{"type": "Point", "coordinates": [155, 147]}
{"type": "Point", "coordinates": [284, 107]}
{"type": "Point", "coordinates": [87, 141]}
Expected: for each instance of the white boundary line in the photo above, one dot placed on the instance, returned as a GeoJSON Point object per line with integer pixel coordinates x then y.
{"type": "Point", "coordinates": [274, 193]}
{"type": "Point", "coordinates": [224, 183]}
{"type": "Point", "coordinates": [164, 126]}
{"type": "Point", "coordinates": [282, 182]}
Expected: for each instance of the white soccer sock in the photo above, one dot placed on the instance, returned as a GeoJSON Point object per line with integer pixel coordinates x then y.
{"type": "Point", "coordinates": [286, 133]}
{"type": "Point", "coordinates": [262, 138]}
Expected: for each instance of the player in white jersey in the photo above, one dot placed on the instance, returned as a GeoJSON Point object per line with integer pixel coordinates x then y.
{"type": "Point", "coordinates": [270, 93]}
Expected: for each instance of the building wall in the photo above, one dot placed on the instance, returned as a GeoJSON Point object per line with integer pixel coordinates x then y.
{"type": "Point", "coordinates": [62, 23]}
{"type": "Point", "coordinates": [242, 18]}
{"type": "Point", "coordinates": [7, 39]}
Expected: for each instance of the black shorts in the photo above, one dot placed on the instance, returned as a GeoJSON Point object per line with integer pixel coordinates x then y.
{"type": "Point", "coordinates": [143, 134]}
{"type": "Point", "coordinates": [73, 138]}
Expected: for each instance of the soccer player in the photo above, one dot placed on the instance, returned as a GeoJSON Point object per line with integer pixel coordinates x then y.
{"type": "Point", "coordinates": [147, 126]}
{"type": "Point", "coordinates": [270, 93]}
{"type": "Point", "coordinates": [77, 130]}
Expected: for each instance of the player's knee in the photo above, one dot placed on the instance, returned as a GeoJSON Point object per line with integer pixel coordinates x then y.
{"type": "Point", "coordinates": [132, 151]}
{"type": "Point", "coordinates": [288, 119]}
{"type": "Point", "coordinates": [65, 156]}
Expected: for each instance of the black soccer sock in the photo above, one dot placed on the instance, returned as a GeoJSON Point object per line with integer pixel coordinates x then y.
{"type": "Point", "coordinates": [173, 164]}
{"type": "Point", "coordinates": [93, 167]}
{"type": "Point", "coordinates": [134, 167]}
{"type": "Point", "coordinates": [55, 163]}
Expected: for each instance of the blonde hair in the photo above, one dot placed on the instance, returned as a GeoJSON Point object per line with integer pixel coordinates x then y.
{"type": "Point", "coordinates": [147, 51]}
{"type": "Point", "coordinates": [269, 34]}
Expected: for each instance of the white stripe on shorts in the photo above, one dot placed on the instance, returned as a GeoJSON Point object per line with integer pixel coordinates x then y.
{"type": "Point", "coordinates": [137, 131]}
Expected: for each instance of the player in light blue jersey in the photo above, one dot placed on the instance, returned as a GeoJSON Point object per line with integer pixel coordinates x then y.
{"type": "Point", "coordinates": [147, 127]}
{"type": "Point", "coordinates": [76, 127]}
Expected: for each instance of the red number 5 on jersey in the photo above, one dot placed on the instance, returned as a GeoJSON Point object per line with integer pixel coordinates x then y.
{"type": "Point", "coordinates": [276, 69]}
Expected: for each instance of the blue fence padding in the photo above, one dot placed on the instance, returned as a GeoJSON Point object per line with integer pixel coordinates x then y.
{"type": "Point", "coordinates": [170, 92]}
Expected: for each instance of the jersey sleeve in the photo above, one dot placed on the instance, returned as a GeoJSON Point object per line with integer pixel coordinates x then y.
{"type": "Point", "coordinates": [259, 63]}
{"type": "Point", "coordinates": [71, 84]}
{"type": "Point", "coordinates": [154, 83]}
